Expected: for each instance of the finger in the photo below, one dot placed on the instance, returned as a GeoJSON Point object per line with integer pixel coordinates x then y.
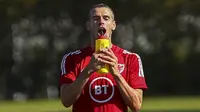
{"type": "Point", "coordinates": [108, 58]}
{"type": "Point", "coordinates": [107, 62]}
{"type": "Point", "coordinates": [95, 56]}
{"type": "Point", "coordinates": [94, 62]}
{"type": "Point", "coordinates": [97, 65]}
{"type": "Point", "coordinates": [110, 53]}
{"type": "Point", "coordinates": [110, 50]}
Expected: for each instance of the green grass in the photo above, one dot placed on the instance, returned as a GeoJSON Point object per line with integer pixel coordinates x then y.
{"type": "Point", "coordinates": [159, 104]}
{"type": "Point", "coordinates": [172, 104]}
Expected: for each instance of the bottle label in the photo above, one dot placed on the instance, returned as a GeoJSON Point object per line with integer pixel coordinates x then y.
{"type": "Point", "coordinates": [101, 43]}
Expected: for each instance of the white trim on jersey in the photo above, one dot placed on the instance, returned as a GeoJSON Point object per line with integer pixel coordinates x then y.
{"type": "Point", "coordinates": [63, 68]}
{"type": "Point", "coordinates": [141, 72]}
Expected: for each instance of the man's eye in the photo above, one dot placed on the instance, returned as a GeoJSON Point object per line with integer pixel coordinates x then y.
{"type": "Point", "coordinates": [95, 18]}
{"type": "Point", "coordinates": [106, 18]}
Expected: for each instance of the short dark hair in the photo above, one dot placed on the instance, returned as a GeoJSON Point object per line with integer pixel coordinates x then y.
{"type": "Point", "coordinates": [100, 6]}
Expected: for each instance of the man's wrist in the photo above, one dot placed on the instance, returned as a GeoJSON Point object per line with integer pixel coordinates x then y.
{"type": "Point", "coordinates": [87, 71]}
{"type": "Point", "coordinates": [117, 76]}
{"type": "Point", "coordinates": [90, 71]}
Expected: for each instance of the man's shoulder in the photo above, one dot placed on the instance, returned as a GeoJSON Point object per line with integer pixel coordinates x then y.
{"type": "Point", "coordinates": [126, 53]}
{"type": "Point", "coordinates": [130, 54]}
{"type": "Point", "coordinates": [72, 54]}
{"type": "Point", "coordinates": [78, 53]}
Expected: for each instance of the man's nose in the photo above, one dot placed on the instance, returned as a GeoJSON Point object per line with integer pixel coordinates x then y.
{"type": "Point", "coordinates": [101, 21]}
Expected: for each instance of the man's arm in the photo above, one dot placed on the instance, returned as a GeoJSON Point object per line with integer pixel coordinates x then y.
{"type": "Point", "coordinates": [70, 92]}
{"type": "Point", "coordinates": [132, 97]}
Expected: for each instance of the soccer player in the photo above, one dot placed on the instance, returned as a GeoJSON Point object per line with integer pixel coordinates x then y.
{"type": "Point", "coordinates": [89, 91]}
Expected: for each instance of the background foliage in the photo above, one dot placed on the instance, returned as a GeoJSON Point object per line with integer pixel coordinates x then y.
{"type": "Point", "coordinates": [35, 34]}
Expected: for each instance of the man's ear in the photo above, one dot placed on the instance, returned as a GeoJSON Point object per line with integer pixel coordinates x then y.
{"type": "Point", "coordinates": [87, 25]}
{"type": "Point", "coordinates": [114, 25]}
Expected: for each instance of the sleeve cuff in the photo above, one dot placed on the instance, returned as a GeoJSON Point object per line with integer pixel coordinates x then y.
{"type": "Point", "coordinates": [66, 78]}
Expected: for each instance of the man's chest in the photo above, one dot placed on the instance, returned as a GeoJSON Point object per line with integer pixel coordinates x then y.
{"type": "Point", "coordinates": [103, 87]}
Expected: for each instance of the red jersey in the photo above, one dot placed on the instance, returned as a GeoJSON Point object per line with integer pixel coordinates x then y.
{"type": "Point", "coordinates": [101, 93]}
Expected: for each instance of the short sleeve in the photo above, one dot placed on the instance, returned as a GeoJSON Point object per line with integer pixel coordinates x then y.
{"type": "Point", "coordinates": [68, 69]}
{"type": "Point", "coordinates": [136, 79]}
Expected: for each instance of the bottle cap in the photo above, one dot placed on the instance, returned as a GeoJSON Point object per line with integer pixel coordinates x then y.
{"type": "Point", "coordinates": [102, 37]}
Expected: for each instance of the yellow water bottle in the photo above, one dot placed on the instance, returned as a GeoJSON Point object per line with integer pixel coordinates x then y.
{"type": "Point", "coordinates": [101, 43]}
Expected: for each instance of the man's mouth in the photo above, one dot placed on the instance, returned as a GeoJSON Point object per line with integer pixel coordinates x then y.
{"type": "Point", "coordinates": [101, 32]}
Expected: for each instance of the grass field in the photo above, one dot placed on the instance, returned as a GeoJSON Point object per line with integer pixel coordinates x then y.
{"type": "Point", "coordinates": [159, 104]}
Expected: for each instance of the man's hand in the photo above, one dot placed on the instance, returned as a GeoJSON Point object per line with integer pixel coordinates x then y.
{"type": "Point", "coordinates": [94, 64]}
{"type": "Point", "coordinates": [106, 56]}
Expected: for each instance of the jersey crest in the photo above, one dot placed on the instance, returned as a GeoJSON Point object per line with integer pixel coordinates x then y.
{"type": "Point", "coordinates": [120, 68]}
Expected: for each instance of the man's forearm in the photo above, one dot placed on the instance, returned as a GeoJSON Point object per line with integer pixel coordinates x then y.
{"type": "Point", "coordinates": [71, 92]}
{"type": "Point", "coordinates": [132, 97]}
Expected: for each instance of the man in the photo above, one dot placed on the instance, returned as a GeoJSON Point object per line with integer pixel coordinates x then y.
{"type": "Point", "coordinates": [88, 91]}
